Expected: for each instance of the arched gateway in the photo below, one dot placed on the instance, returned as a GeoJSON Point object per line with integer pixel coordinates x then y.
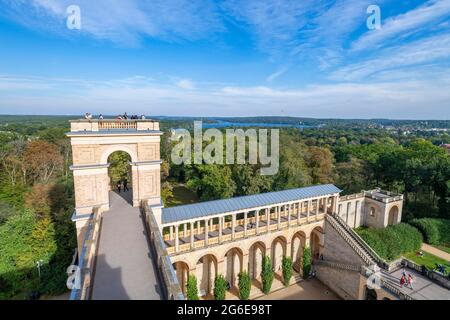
{"type": "Point", "coordinates": [93, 141]}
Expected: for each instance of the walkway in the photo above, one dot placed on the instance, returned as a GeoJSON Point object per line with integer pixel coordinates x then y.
{"type": "Point", "coordinates": [125, 269]}
{"type": "Point", "coordinates": [305, 290]}
{"type": "Point", "coordinates": [423, 288]}
{"type": "Point", "coordinates": [436, 252]}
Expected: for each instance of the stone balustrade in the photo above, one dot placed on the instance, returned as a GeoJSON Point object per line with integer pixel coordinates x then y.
{"type": "Point", "coordinates": [106, 125]}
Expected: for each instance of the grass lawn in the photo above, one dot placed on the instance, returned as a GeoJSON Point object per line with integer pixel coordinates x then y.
{"type": "Point", "coordinates": [181, 195]}
{"type": "Point", "coordinates": [428, 260]}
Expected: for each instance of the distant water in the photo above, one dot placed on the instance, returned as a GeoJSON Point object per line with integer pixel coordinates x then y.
{"type": "Point", "coordinates": [223, 124]}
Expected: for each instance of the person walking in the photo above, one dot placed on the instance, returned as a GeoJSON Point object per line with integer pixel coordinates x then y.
{"type": "Point", "coordinates": [402, 281]}
{"type": "Point", "coordinates": [119, 187]}
{"type": "Point", "coordinates": [410, 281]}
{"type": "Point", "coordinates": [125, 185]}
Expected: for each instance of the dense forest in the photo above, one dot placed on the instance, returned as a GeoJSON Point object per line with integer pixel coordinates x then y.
{"type": "Point", "coordinates": [37, 237]}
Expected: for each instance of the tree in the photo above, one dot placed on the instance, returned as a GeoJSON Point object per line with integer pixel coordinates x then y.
{"type": "Point", "coordinates": [211, 181]}
{"type": "Point", "coordinates": [320, 164]}
{"type": "Point", "coordinates": [119, 166]}
{"type": "Point", "coordinates": [191, 288]}
{"type": "Point", "coordinates": [267, 274]}
{"type": "Point", "coordinates": [306, 262]}
{"type": "Point", "coordinates": [43, 160]}
{"type": "Point", "coordinates": [287, 270]}
{"type": "Point", "coordinates": [244, 285]}
{"type": "Point", "coordinates": [220, 287]}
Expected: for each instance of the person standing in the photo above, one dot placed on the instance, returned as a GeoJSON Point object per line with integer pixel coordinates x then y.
{"type": "Point", "coordinates": [410, 281]}
{"type": "Point", "coordinates": [119, 187]}
{"type": "Point", "coordinates": [125, 185]}
{"type": "Point", "coordinates": [402, 281]}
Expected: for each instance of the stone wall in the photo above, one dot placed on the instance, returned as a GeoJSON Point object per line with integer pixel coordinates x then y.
{"type": "Point", "coordinates": [345, 283]}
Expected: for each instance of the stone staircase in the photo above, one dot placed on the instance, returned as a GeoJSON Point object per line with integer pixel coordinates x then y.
{"type": "Point", "coordinates": [367, 254]}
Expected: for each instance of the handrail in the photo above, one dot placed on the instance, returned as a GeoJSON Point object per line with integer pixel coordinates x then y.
{"type": "Point", "coordinates": [338, 265]}
{"type": "Point", "coordinates": [380, 261]}
{"type": "Point", "coordinates": [351, 241]}
{"type": "Point", "coordinates": [164, 264]}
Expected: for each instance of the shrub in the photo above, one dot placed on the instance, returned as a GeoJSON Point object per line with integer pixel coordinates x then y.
{"type": "Point", "coordinates": [434, 231]}
{"type": "Point", "coordinates": [306, 262]}
{"type": "Point", "coordinates": [287, 270]}
{"type": "Point", "coordinates": [267, 274]}
{"type": "Point", "coordinates": [391, 242]}
{"type": "Point", "coordinates": [191, 288]}
{"type": "Point", "coordinates": [220, 287]}
{"type": "Point", "coordinates": [244, 285]}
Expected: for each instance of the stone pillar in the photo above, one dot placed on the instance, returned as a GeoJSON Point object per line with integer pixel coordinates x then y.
{"type": "Point", "coordinates": [278, 217]}
{"type": "Point", "coordinates": [220, 228]}
{"type": "Point", "coordinates": [317, 207]}
{"type": "Point", "coordinates": [171, 232]}
{"type": "Point", "coordinates": [206, 232]}
{"type": "Point", "coordinates": [177, 240]}
{"type": "Point", "coordinates": [268, 218]}
{"type": "Point", "coordinates": [245, 224]}
{"type": "Point", "coordinates": [245, 262]}
{"type": "Point", "coordinates": [289, 214]}
{"type": "Point", "coordinates": [192, 235]}
{"type": "Point", "coordinates": [198, 227]}
{"type": "Point", "coordinates": [257, 221]}
{"type": "Point", "coordinates": [233, 225]}
{"type": "Point", "coordinates": [299, 211]}
{"type": "Point", "coordinates": [309, 209]}
{"type": "Point", "coordinates": [185, 230]}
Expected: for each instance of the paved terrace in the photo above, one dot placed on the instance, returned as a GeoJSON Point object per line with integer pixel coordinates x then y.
{"type": "Point", "coordinates": [423, 287]}
{"type": "Point", "coordinates": [125, 267]}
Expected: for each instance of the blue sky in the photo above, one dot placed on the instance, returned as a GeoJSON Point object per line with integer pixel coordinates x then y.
{"type": "Point", "coordinates": [311, 58]}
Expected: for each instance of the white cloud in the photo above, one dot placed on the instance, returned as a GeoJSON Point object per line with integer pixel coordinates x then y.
{"type": "Point", "coordinates": [123, 22]}
{"type": "Point", "coordinates": [414, 53]}
{"type": "Point", "coordinates": [427, 98]}
{"type": "Point", "coordinates": [411, 21]}
{"type": "Point", "coordinates": [185, 84]}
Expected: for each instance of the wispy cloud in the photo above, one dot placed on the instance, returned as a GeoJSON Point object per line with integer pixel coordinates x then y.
{"type": "Point", "coordinates": [428, 98]}
{"type": "Point", "coordinates": [124, 22]}
{"type": "Point", "coordinates": [414, 53]}
{"type": "Point", "coordinates": [432, 12]}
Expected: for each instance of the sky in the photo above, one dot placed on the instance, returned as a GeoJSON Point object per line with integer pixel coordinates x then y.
{"type": "Point", "coordinates": [305, 58]}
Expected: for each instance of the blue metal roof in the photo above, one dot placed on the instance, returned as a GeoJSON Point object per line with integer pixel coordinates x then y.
{"type": "Point", "coordinates": [209, 208]}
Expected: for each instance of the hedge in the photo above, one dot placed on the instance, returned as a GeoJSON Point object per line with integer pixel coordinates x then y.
{"type": "Point", "coordinates": [244, 285]}
{"type": "Point", "coordinates": [393, 241]}
{"type": "Point", "coordinates": [267, 274]}
{"type": "Point", "coordinates": [191, 288]}
{"type": "Point", "coordinates": [220, 288]}
{"type": "Point", "coordinates": [306, 262]}
{"type": "Point", "coordinates": [287, 270]}
{"type": "Point", "coordinates": [434, 231]}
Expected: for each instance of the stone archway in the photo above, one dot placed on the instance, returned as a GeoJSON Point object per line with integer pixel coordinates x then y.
{"type": "Point", "coordinates": [278, 251]}
{"type": "Point", "coordinates": [182, 272]}
{"type": "Point", "coordinates": [233, 265]}
{"type": "Point", "coordinates": [298, 244]}
{"type": "Point", "coordinates": [206, 273]}
{"type": "Point", "coordinates": [393, 215]}
{"type": "Point", "coordinates": [256, 254]}
{"type": "Point", "coordinates": [316, 241]}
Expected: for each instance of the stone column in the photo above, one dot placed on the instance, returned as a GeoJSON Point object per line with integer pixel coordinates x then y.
{"type": "Point", "coordinates": [206, 232]}
{"type": "Point", "coordinates": [257, 221]}
{"type": "Point", "coordinates": [279, 217]}
{"type": "Point", "coordinates": [289, 214]}
{"type": "Point", "coordinates": [317, 207]}
{"type": "Point", "coordinates": [185, 230]}
{"type": "Point", "coordinates": [308, 209]}
{"type": "Point", "coordinates": [245, 262]}
{"type": "Point", "coordinates": [198, 227]}
{"type": "Point", "coordinates": [233, 225]}
{"type": "Point", "coordinates": [299, 211]}
{"type": "Point", "coordinates": [245, 224]}
{"type": "Point", "coordinates": [192, 235]}
{"type": "Point", "coordinates": [171, 232]}
{"type": "Point", "coordinates": [268, 218]}
{"type": "Point", "coordinates": [220, 229]}
{"type": "Point", "coordinates": [177, 240]}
